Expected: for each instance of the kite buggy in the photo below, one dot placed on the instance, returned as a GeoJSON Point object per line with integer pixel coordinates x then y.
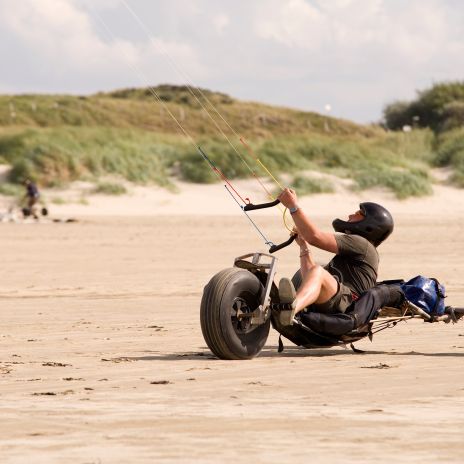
{"type": "Point", "coordinates": [236, 313]}
{"type": "Point", "coordinates": [240, 304]}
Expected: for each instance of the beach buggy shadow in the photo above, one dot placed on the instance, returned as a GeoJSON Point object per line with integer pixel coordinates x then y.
{"type": "Point", "coordinates": [271, 351]}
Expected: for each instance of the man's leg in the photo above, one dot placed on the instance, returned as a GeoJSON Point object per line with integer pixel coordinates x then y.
{"type": "Point", "coordinates": [318, 286]}
{"type": "Point", "coordinates": [32, 204]}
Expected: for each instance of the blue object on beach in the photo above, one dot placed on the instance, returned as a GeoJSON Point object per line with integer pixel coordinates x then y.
{"type": "Point", "coordinates": [427, 293]}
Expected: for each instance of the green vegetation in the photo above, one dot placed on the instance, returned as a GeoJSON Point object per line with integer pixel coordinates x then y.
{"type": "Point", "coordinates": [450, 152]}
{"type": "Point", "coordinates": [394, 161]}
{"type": "Point", "coordinates": [55, 139]}
{"type": "Point", "coordinates": [440, 108]}
{"type": "Point", "coordinates": [55, 156]}
{"type": "Point", "coordinates": [58, 201]}
{"type": "Point", "coordinates": [10, 190]}
{"type": "Point", "coordinates": [194, 97]}
{"type": "Point", "coordinates": [305, 185]}
{"type": "Point", "coordinates": [110, 188]}
{"type": "Point", "coordinates": [404, 183]}
{"type": "Point", "coordinates": [138, 109]}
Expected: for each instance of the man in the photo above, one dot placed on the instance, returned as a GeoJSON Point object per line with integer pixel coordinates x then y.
{"type": "Point", "coordinates": [350, 273]}
{"type": "Point", "coordinates": [32, 196]}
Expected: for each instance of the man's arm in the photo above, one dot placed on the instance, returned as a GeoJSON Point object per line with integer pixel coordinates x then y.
{"type": "Point", "coordinates": [308, 230]}
{"type": "Point", "coordinates": [312, 234]}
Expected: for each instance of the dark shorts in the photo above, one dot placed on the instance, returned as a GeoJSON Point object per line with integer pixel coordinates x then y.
{"type": "Point", "coordinates": [339, 303]}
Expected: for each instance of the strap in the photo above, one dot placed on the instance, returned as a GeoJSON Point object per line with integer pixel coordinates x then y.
{"type": "Point", "coordinates": [440, 296]}
{"type": "Point", "coordinates": [281, 345]}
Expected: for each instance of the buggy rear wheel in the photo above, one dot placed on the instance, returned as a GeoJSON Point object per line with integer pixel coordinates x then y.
{"type": "Point", "coordinates": [228, 296]}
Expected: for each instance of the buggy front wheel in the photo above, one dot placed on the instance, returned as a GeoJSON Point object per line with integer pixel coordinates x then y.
{"type": "Point", "coordinates": [227, 299]}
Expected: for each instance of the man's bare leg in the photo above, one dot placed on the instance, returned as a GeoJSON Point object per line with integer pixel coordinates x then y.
{"type": "Point", "coordinates": [317, 286]}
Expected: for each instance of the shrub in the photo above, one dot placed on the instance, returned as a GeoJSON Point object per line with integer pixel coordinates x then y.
{"type": "Point", "coordinates": [450, 152]}
{"type": "Point", "coordinates": [56, 156]}
{"type": "Point", "coordinates": [453, 114]}
{"type": "Point", "coordinates": [10, 190]}
{"type": "Point", "coordinates": [457, 178]}
{"type": "Point", "coordinates": [397, 114]}
{"type": "Point", "coordinates": [310, 185]}
{"type": "Point", "coordinates": [197, 170]}
{"type": "Point", "coordinates": [450, 149]}
{"type": "Point", "coordinates": [417, 145]}
{"type": "Point", "coordinates": [58, 201]}
{"type": "Point", "coordinates": [403, 183]}
{"type": "Point", "coordinates": [439, 108]}
{"type": "Point", "coordinates": [110, 188]}
{"type": "Point", "coordinates": [224, 157]}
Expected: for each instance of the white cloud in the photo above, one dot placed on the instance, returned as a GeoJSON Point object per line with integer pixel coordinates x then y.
{"type": "Point", "coordinates": [65, 37]}
{"type": "Point", "coordinates": [220, 22]}
{"type": "Point", "coordinates": [48, 26]}
{"type": "Point", "coordinates": [294, 23]}
{"type": "Point", "coordinates": [415, 29]}
{"type": "Point", "coordinates": [355, 54]}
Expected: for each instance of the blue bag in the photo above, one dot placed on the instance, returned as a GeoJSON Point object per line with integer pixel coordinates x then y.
{"type": "Point", "coordinates": [427, 293]}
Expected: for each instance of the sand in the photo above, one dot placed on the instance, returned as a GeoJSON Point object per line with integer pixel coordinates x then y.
{"type": "Point", "coordinates": [102, 359]}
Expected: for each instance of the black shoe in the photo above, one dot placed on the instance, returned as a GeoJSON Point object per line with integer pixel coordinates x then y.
{"type": "Point", "coordinates": [285, 312]}
{"type": "Point", "coordinates": [287, 292]}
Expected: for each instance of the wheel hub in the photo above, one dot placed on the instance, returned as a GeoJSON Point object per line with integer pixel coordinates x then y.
{"type": "Point", "coordinates": [241, 315]}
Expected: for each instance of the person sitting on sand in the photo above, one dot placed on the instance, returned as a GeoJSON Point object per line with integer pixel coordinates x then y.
{"type": "Point", "coordinates": [351, 272]}
{"type": "Point", "coordinates": [32, 196]}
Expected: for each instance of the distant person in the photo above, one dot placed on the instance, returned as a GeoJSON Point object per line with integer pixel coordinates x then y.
{"type": "Point", "coordinates": [351, 272]}
{"type": "Point", "coordinates": [32, 197]}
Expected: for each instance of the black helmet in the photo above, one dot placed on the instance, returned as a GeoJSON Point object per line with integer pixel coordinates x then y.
{"type": "Point", "coordinates": [376, 226]}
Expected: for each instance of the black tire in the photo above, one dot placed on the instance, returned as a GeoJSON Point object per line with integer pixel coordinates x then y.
{"type": "Point", "coordinates": [226, 336]}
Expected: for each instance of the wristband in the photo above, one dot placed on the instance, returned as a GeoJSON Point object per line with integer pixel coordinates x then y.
{"type": "Point", "coordinates": [294, 209]}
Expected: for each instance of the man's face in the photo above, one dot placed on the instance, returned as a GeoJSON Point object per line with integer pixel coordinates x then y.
{"type": "Point", "coordinates": [356, 217]}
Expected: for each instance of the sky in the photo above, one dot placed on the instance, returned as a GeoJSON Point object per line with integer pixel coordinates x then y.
{"type": "Point", "coordinates": [346, 58]}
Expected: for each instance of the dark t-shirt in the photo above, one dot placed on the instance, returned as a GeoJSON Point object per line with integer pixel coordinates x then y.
{"type": "Point", "coordinates": [32, 190]}
{"type": "Point", "coordinates": [356, 263]}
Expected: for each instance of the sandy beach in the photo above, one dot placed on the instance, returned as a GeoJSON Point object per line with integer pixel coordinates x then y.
{"type": "Point", "coordinates": [102, 359]}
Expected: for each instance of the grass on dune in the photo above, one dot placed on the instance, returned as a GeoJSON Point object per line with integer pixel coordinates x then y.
{"type": "Point", "coordinates": [396, 162]}
{"type": "Point", "coordinates": [11, 190]}
{"type": "Point", "coordinates": [55, 156]}
{"type": "Point", "coordinates": [56, 139]}
{"type": "Point", "coordinates": [307, 185]}
{"type": "Point", "coordinates": [110, 188]}
{"type": "Point", "coordinates": [450, 152]}
{"type": "Point", "coordinates": [140, 109]}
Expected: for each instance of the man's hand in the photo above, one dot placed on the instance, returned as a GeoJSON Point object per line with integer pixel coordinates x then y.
{"type": "Point", "coordinates": [302, 243]}
{"type": "Point", "coordinates": [288, 198]}
{"type": "Point", "coordinates": [308, 232]}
